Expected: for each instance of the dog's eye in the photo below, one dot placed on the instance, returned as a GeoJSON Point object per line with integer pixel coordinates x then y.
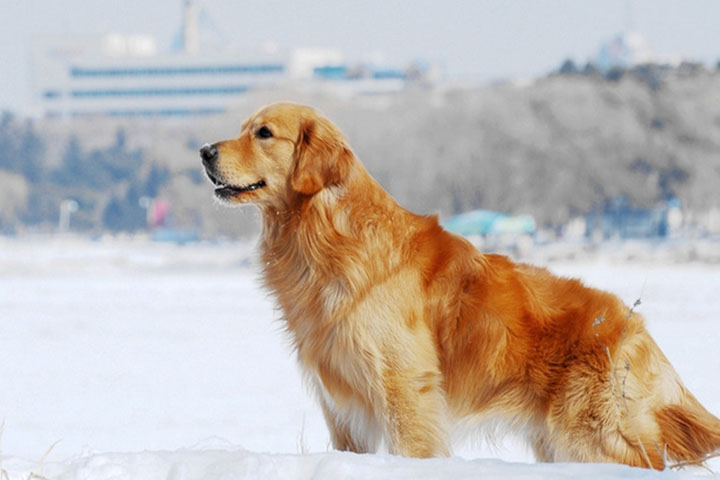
{"type": "Point", "coordinates": [263, 132]}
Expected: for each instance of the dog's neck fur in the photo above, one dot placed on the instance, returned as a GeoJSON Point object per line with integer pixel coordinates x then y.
{"type": "Point", "coordinates": [298, 243]}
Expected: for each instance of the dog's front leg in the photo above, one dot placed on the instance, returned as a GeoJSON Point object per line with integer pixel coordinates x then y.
{"type": "Point", "coordinates": [413, 412]}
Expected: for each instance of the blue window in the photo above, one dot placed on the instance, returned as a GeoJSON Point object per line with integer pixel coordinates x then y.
{"type": "Point", "coordinates": [179, 70]}
{"type": "Point", "coordinates": [161, 92]}
{"type": "Point", "coordinates": [331, 71]}
{"type": "Point", "coordinates": [164, 112]}
{"type": "Point", "coordinates": [385, 74]}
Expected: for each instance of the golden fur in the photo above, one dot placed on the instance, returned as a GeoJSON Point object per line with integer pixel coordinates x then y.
{"type": "Point", "coordinates": [404, 329]}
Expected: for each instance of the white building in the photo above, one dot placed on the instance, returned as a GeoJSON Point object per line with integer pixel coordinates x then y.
{"type": "Point", "coordinates": [124, 75]}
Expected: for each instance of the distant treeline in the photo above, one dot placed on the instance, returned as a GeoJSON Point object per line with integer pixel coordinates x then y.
{"type": "Point", "coordinates": [106, 182]}
{"type": "Point", "coordinates": [559, 147]}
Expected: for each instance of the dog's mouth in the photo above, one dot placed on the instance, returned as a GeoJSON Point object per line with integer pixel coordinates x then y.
{"type": "Point", "coordinates": [225, 190]}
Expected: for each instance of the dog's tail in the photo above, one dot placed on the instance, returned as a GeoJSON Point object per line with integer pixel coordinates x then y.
{"type": "Point", "coordinates": [666, 425]}
{"type": "Point", "coordinates": [689, 433]}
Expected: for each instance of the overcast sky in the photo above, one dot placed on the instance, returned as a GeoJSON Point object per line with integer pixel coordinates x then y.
{"type": "Point", "coordinates": [472, 40]}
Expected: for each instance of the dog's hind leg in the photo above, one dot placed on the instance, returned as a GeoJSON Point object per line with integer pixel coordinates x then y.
{"type": "Point", "coordinates": [630, 409]}
{"type": "Point", "coordinates": [598, 429]}
{"type": "Point", "coordinates": [601, 412]}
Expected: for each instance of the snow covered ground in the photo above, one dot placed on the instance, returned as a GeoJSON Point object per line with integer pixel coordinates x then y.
{"type": "Point", "coordinates": [173, 355]}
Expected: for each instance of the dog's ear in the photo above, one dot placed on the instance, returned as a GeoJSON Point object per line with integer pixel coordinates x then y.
{"type": "Point", "coordinates": [322, 157]}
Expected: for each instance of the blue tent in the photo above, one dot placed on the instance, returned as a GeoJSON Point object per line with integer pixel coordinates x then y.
{"type": "Point", "coordinates": [487, 222]}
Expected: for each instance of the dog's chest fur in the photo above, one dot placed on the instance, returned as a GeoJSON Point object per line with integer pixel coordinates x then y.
{"type": "Point", "coordinates": [337, 347]}
{"type": "Point", "coordinates": [312, 299]}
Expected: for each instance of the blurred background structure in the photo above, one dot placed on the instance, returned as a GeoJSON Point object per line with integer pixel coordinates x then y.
{"type": "Point", "coordinates": [484, 108]}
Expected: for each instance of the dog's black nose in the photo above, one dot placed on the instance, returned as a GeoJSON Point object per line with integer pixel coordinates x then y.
{"type": "Point", "coordinates": [208, 153]}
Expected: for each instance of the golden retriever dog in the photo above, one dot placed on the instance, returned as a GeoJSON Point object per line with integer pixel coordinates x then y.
{"type": "Point", "coordinates": [405, 330]}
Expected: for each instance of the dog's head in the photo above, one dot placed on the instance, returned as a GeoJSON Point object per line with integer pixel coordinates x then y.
{"type": "Point", "coordinates": [284, 151]}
